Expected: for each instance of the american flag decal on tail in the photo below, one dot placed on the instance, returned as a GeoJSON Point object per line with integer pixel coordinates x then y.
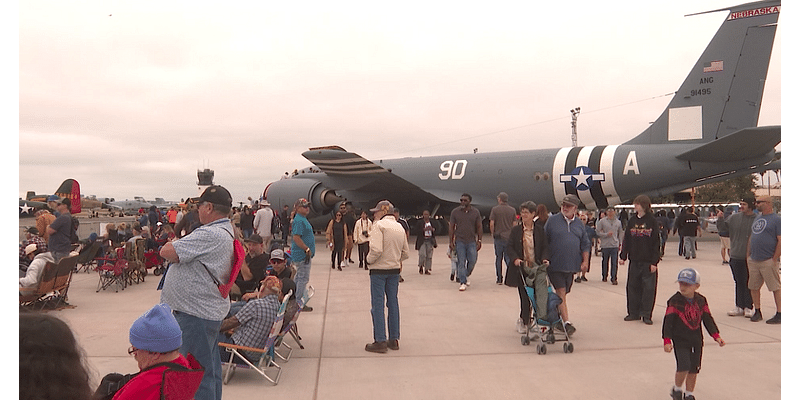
{"type": "Point", "coordinates": [713, 66]}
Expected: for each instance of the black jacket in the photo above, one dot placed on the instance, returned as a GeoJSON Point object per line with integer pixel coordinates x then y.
{"type": "Point", "coordinates": [516, 250]}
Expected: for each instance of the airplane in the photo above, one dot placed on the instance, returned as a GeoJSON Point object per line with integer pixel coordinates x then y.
{"type": "Point", "coordinates": [122, 206]}
{"type": "Point", "coordinates": [706, 134]}
{"type": "Point", "coordinates": [70, 189]}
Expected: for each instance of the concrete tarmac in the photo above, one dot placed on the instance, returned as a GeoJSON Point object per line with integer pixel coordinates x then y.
{"type": "Point", "coordinates": [464, 345]}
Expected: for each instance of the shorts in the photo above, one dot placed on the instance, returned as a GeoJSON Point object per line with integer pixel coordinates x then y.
{"type": "Point", "coordinates": [763, 272]}
{"type": "Point", "coordinates": [560, 279]}
{"type": "Point", "coordinates": [688, 357]}
{"type": "Point", "coordinates": [724, 243]}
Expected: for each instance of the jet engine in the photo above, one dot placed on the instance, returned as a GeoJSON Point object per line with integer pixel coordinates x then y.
{"type": "Point", "coordinates": [287, 191]}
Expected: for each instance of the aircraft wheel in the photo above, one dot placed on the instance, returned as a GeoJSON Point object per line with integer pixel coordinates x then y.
{"type": "Point", "coordinates": [157, 271]}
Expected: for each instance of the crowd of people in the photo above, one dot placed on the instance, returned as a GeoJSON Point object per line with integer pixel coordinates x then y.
{"type": "Point", "coordinates": [182, 333]}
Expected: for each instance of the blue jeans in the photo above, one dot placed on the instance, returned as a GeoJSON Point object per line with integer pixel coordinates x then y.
{"type": "Point", "coordinates": [247, 232]}
{"type": "Point", "coordinates": [500, 254]}
{"type": "Point", "coordinates": [467, 257]}
{"type": "Point", "coordinates": [200, 339]}
{"type": "Point", "coordinates": [384, 287]}
{"type": "Point", "coordinates": [688, 246]}
{"type": "Point", "coordinates": [610, 254]}
{"type": "Point", "coordinates": [301, 278]}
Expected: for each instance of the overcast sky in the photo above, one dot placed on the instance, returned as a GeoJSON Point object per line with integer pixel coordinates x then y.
{"type": "Point", "coordinates": [131, 98]}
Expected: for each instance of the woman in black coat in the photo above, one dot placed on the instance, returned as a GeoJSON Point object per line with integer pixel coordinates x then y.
{"type": "Point", "coordinates": [516, 253]}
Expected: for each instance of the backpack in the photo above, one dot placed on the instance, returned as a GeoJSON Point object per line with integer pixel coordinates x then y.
{"type": "Point", "coordinates": [276, 224]}
{"type": "Point", "coordinates": [73, 233]}
{"type": "Point", "coordinates": [236, 265]}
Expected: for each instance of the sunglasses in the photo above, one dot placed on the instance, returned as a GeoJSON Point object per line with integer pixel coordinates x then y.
{"type": "Point", "coordinates": [277, 261]}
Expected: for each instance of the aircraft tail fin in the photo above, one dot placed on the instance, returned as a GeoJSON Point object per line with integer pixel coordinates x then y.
{"type": "Point", "coordinates": [71, 189]}
{"type": "Point", "coordinates": [722, 93]}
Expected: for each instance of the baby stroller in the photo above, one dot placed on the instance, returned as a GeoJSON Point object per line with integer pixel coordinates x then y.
{"type": "Point", "coordinates": [545, 318]}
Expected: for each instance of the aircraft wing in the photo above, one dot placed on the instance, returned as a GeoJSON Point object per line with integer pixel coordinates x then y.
{"type": "Point", "coordinates": [351, 172]}
{"type": "Point", "coordinates": [740, 145]}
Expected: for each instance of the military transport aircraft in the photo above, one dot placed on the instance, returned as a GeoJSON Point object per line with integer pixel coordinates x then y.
{"type": "Point", "coordinates": [707, 134]}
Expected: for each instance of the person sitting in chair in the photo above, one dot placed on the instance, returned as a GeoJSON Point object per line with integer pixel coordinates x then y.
{"type": "Point", "coordinates": [155, 340]}
{"type": "Point", "coordinates": [253, 322]}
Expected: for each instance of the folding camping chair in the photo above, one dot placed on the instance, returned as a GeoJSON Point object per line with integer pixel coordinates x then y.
{"type": "Point", "coordinates": [86, 258]}
{"type": "Point", "coordinates": [112, 271]}
{"type": "Point", "coordinates": [267, 358]}
{"type": "Point", "coordinates": [293, 329]}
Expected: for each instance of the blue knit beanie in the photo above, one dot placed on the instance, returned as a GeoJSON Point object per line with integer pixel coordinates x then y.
{"type": "Point", "coordinates": [157, 330]}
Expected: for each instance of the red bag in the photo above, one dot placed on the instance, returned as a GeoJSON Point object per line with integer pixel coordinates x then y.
{"type": "Point", "coordinates": [236, 265]}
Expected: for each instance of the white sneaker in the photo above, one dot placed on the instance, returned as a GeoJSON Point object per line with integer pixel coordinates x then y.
{"type": "Point", "coordinates": [468, 282]}
{"type": "Point", "coordinates": [748, 312]}
{"type": "Point", "coordinates": [463, 287]}
{"type": "Point", "coordinates": [521, 327]}
{"type": "Point", "coordinates": [343, 264]}
{"type": "Point", "coordinates": [737, 312]}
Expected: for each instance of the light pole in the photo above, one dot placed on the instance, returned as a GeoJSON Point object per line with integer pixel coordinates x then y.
{"type": "Point", "coordinates": [575, 112]}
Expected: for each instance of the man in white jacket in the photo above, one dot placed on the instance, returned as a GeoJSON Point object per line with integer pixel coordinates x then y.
{"type": "Point", "coordinates": [388, 246]}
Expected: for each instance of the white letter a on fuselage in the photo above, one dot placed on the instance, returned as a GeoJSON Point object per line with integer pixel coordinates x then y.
{"type": "Point", "coordinates": [631, 164]}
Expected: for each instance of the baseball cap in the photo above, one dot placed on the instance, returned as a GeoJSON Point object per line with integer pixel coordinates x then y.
{"type": "Point", "coordinates": [277, 254]}
{"type": "Point", "coordinates": [689, 275]}
{"type": "Point", "coordinates": [30, 248]}
{"type": "Point", "coordinates": [215, 195]}
{"type": "Point", "coordinates": [384, 205]}
{"type": "Point", "coordinates": [301, 202]}
{"type": "Point", "coordinates": [255, 238]}
{"type": "Point", "coordinates": [571, 199]}
{"type": "Point", "coordinates": [33, 230]}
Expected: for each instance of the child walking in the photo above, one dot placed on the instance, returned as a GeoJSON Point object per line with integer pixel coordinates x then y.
{"type": "Point", "coordinates": [681, 331]}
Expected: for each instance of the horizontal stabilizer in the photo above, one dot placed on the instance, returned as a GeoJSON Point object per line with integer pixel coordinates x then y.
{"type": "Point", "coordinates": [740, 145]}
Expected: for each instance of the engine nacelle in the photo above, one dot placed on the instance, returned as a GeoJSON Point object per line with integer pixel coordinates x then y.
{"type": "Point", "coordinates": [287, 191]}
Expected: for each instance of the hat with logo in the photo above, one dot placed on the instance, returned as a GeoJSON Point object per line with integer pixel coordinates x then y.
{"type": "Point", "coordinates": [156, 331]}
{"type": "Point", "coordinates": [384, 205]}
{"type": "Point", "coordinates": [689, 275]}
{"type": "Point", "coordinates": [571, 199]}
{"type": "Point", "coordinates": [277, 254]}
{"type": "Point", "coordinates": [215, 195]}
{"type": "Point", "coordinates": [301, 202]}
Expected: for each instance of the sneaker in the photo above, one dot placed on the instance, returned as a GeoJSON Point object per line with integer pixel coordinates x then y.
{"type": "Point", "coordinates": [676, 394]}
{"type": "Point", "coordinates": [736, 312]}
{"type": "Point", "coordinates": [307, 309]}
{"type": "Point", "coordinates": [521, 326]}
{"type": "Point", "coordinates": [647, 320]}
{"type": "Point", "coordinates": [452, 277]}
{"type": "Point", "coordinates": [756, 316]}
{"type": "Point", "coordinates": [583, 278]}
{"type": "Point", "coordinates": [578, 280]}
{"type": "Point", "coordinates": [427, 272]}
{"type": "Point", "coordinates": [775, 320]}
{"type": "Point", "coordinates": [725, 262]}
{"type": "Point", "coordinates": [614, 282]}
{"type": "Point", "coordinates": [468, 282]}
{"type": "Point", "coordinates": [351, 261]}
{"type": "Point", "coordinates": [605, 279]}
{"type": "Point", "coordinates": [343, 264]}
{"type": "Point", "coordinates": [393, 344]}
{"type": "Point", "coordinates": [570, 328]}
{"type": "Point", "coordinates": [631, 318]}
{"type": "Point", "coordinates": [462, 288]}
{"type": "Point", "coordinates": [401, 279]}
{"type": "Point", "coordinates": [748, 312]}
{"type": "Point", "coordinates": [420, 271]}
{"type": "Point", "coordinates": [377, 347]}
